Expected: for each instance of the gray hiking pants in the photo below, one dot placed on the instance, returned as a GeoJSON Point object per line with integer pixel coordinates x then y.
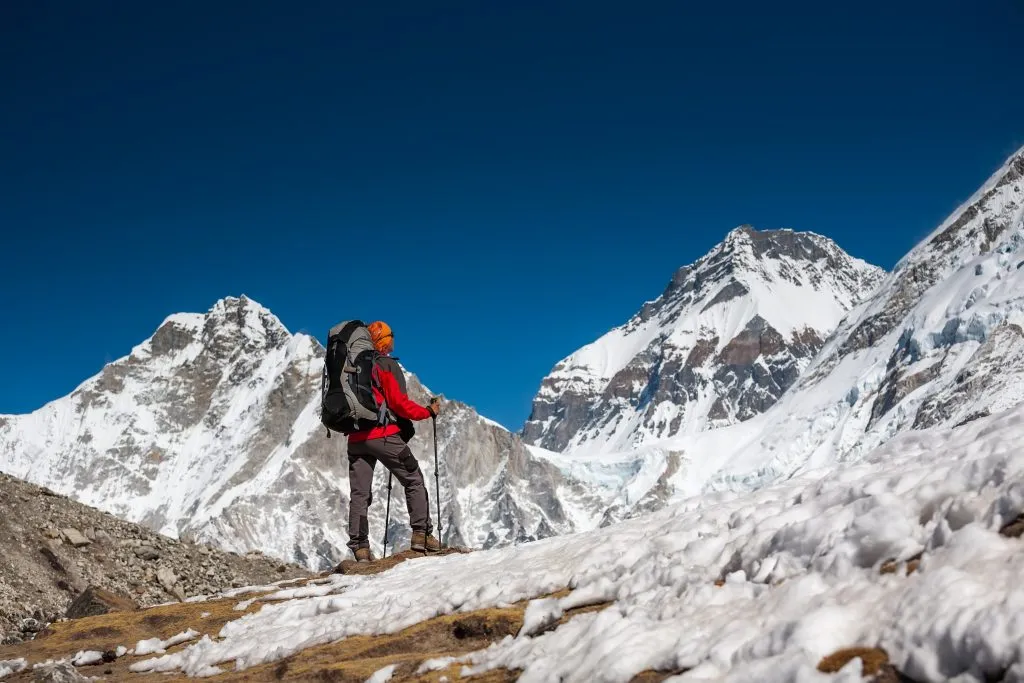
{"type": "Point", "coordinates": [399, 460]}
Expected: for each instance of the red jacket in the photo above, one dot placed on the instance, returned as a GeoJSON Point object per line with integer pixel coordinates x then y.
{"type": "Point", "coordinates": [398, 403]}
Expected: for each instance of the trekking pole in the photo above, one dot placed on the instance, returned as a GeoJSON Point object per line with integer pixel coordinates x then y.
{"type": "Point", "coordinates": [437, 482]}
{"type": "Point", "coordinates": [387, 514]}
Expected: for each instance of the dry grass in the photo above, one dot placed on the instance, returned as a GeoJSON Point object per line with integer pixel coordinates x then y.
{"type": "Point", "coordinates": [875, 665]}
{"type": "Point", "coordinates": [386, 563]}
{"type": "Point", "coordinates": [910, 566]}
{"type": "Point", "coordinates": [355, 659]}
{"type": "Point", "coordinates": [872, 658]}
{"type": "Point", "coordinates": [350, 659]}
{"type": "Point", "coordinates": [107, 631]}
{"type": "Point", "coordinates": [1015, 528]}
{"type": "Point", "coordinates": [651, 676]}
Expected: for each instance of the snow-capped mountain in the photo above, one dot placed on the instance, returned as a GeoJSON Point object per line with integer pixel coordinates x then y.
{"type": "Point", "coordinates": [940, 342]}
{"type": "Point", "coordinates": [729, 335]}
{"type": "Point", "coordinates": [211, 429]}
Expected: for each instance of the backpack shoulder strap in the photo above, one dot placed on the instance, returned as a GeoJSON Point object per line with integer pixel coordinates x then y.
{"type": "Point", "coordinates": [389, 363]}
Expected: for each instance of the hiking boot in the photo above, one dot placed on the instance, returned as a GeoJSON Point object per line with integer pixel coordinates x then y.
{"type": "Point", "coordinates": [364, 555]}
{"type": "Point", "coordinates": [425, 543]}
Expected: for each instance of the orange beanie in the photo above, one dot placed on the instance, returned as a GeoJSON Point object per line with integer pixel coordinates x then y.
{"type": "Point", "coordinates": [381, 335]}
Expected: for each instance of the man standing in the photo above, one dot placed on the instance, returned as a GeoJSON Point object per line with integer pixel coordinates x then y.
{"type": "Point", "coordinates": [385, 443]}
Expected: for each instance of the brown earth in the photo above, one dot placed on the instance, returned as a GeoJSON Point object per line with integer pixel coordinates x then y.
{"type": "Point", "coordinates": [350, 659]}
{"type": "Point", "coordinates": [875, 665]}
{"type": "Point", "coordinates": [383, 564]}
{"type": "Point", "coordinates": [1015, 528]}
{"type": "Point", "coordinates": [909, 567]}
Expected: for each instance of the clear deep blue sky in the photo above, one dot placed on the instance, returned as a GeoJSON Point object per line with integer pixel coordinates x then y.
{"type": "Point", "coordinates": [506, 180]}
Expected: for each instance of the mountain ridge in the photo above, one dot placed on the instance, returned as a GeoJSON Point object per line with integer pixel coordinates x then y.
{"type": "Point", "coordinates": [722, 311]}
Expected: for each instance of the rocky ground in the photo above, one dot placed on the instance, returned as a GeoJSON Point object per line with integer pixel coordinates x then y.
{"type": "Point", "coordinates": [52, 549]}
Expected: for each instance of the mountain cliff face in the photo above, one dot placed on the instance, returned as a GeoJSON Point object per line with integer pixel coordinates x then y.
{"type": "Point", "coordinates": [729, 335]}
{"type": "Point", "coordinates": [938, 342]}
{"type": "Point", "coordinates": [210, 429]}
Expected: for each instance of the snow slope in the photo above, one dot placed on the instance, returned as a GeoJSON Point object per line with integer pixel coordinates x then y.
{"type": "Point", "coordinates": [801, 567]}
{"type": "Point", "coordinates": [211, 429]}
{"type": "Point", "coordinates": [728, 336]}
{"type": "Point", "coordinates": [940, 343]}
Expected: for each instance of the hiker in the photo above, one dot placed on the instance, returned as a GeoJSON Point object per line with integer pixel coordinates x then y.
{"type": "Point", "coordinates": [387, 444]}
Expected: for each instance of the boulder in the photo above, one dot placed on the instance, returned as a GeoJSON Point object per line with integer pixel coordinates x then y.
{"type": "Point", "coordinates": [61, 672]}
{"type": "Point", "coordinates": [95, 600]}
{"type": "Point", "coordinates": [75, 537]}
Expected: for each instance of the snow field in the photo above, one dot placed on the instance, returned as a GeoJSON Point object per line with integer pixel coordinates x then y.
{"type": "Point", "coordinates": [800, 563]}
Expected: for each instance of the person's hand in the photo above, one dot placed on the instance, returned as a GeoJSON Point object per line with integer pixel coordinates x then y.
{"type": "Point", "coordinates": [435, 406]}
{"type": "Point", "coordinates": [406, 429]}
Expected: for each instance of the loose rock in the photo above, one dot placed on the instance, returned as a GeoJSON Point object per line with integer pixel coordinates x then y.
{"type": "Point", "coordinates": [146, 553]}
{"type": "Point", "coordinates": [94, 600]}
{"type": "Point", "coordinates": [47, 567]}
{"type": "Point", "coordinates": [62, 672]}
{"type": "Point", "coordinates": [166, 577]}
{"type": "Point", "coordinates": [31, 625]}
{"type": "Point", "coordinates": [75, 537]}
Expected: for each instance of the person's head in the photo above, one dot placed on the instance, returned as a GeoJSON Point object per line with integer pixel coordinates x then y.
{"type": "Point", "coordinates": [380, 334]}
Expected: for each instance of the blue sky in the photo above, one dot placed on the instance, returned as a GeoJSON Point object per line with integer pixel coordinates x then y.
{"type": "Point", "coordinates": [507, 179]}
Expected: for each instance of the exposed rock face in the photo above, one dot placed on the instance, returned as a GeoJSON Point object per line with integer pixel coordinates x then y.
{"type": "Point", "coordinates": [730, 334]}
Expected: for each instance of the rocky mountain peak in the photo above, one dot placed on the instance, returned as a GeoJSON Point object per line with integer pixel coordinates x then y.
{"type": "Point", "coordinates": [730, 333]}
{"type": "Point", "coordinates": [745, 245]}
{"type": "Point", "coordinates": [799, 246]}
{"type": "Point", "coordinates": [747, 257]}
{"type": "Point", "coordinates": [232, 325]}
{"type": "Point", "coordinates": [244, 322]}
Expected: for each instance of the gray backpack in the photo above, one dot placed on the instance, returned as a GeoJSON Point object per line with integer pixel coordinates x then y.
{"type": "Point", "coordinates": [347, 402]}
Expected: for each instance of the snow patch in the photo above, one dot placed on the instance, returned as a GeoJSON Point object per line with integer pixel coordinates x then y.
{"type": "Point", "coordinates": [87, 657]}
{"type": "Point", "coordinates": [9, 667]}
{"type": "Point", "coordinates": [157, 646]}
{"type": "Point", "coordinates": [382, 675]}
